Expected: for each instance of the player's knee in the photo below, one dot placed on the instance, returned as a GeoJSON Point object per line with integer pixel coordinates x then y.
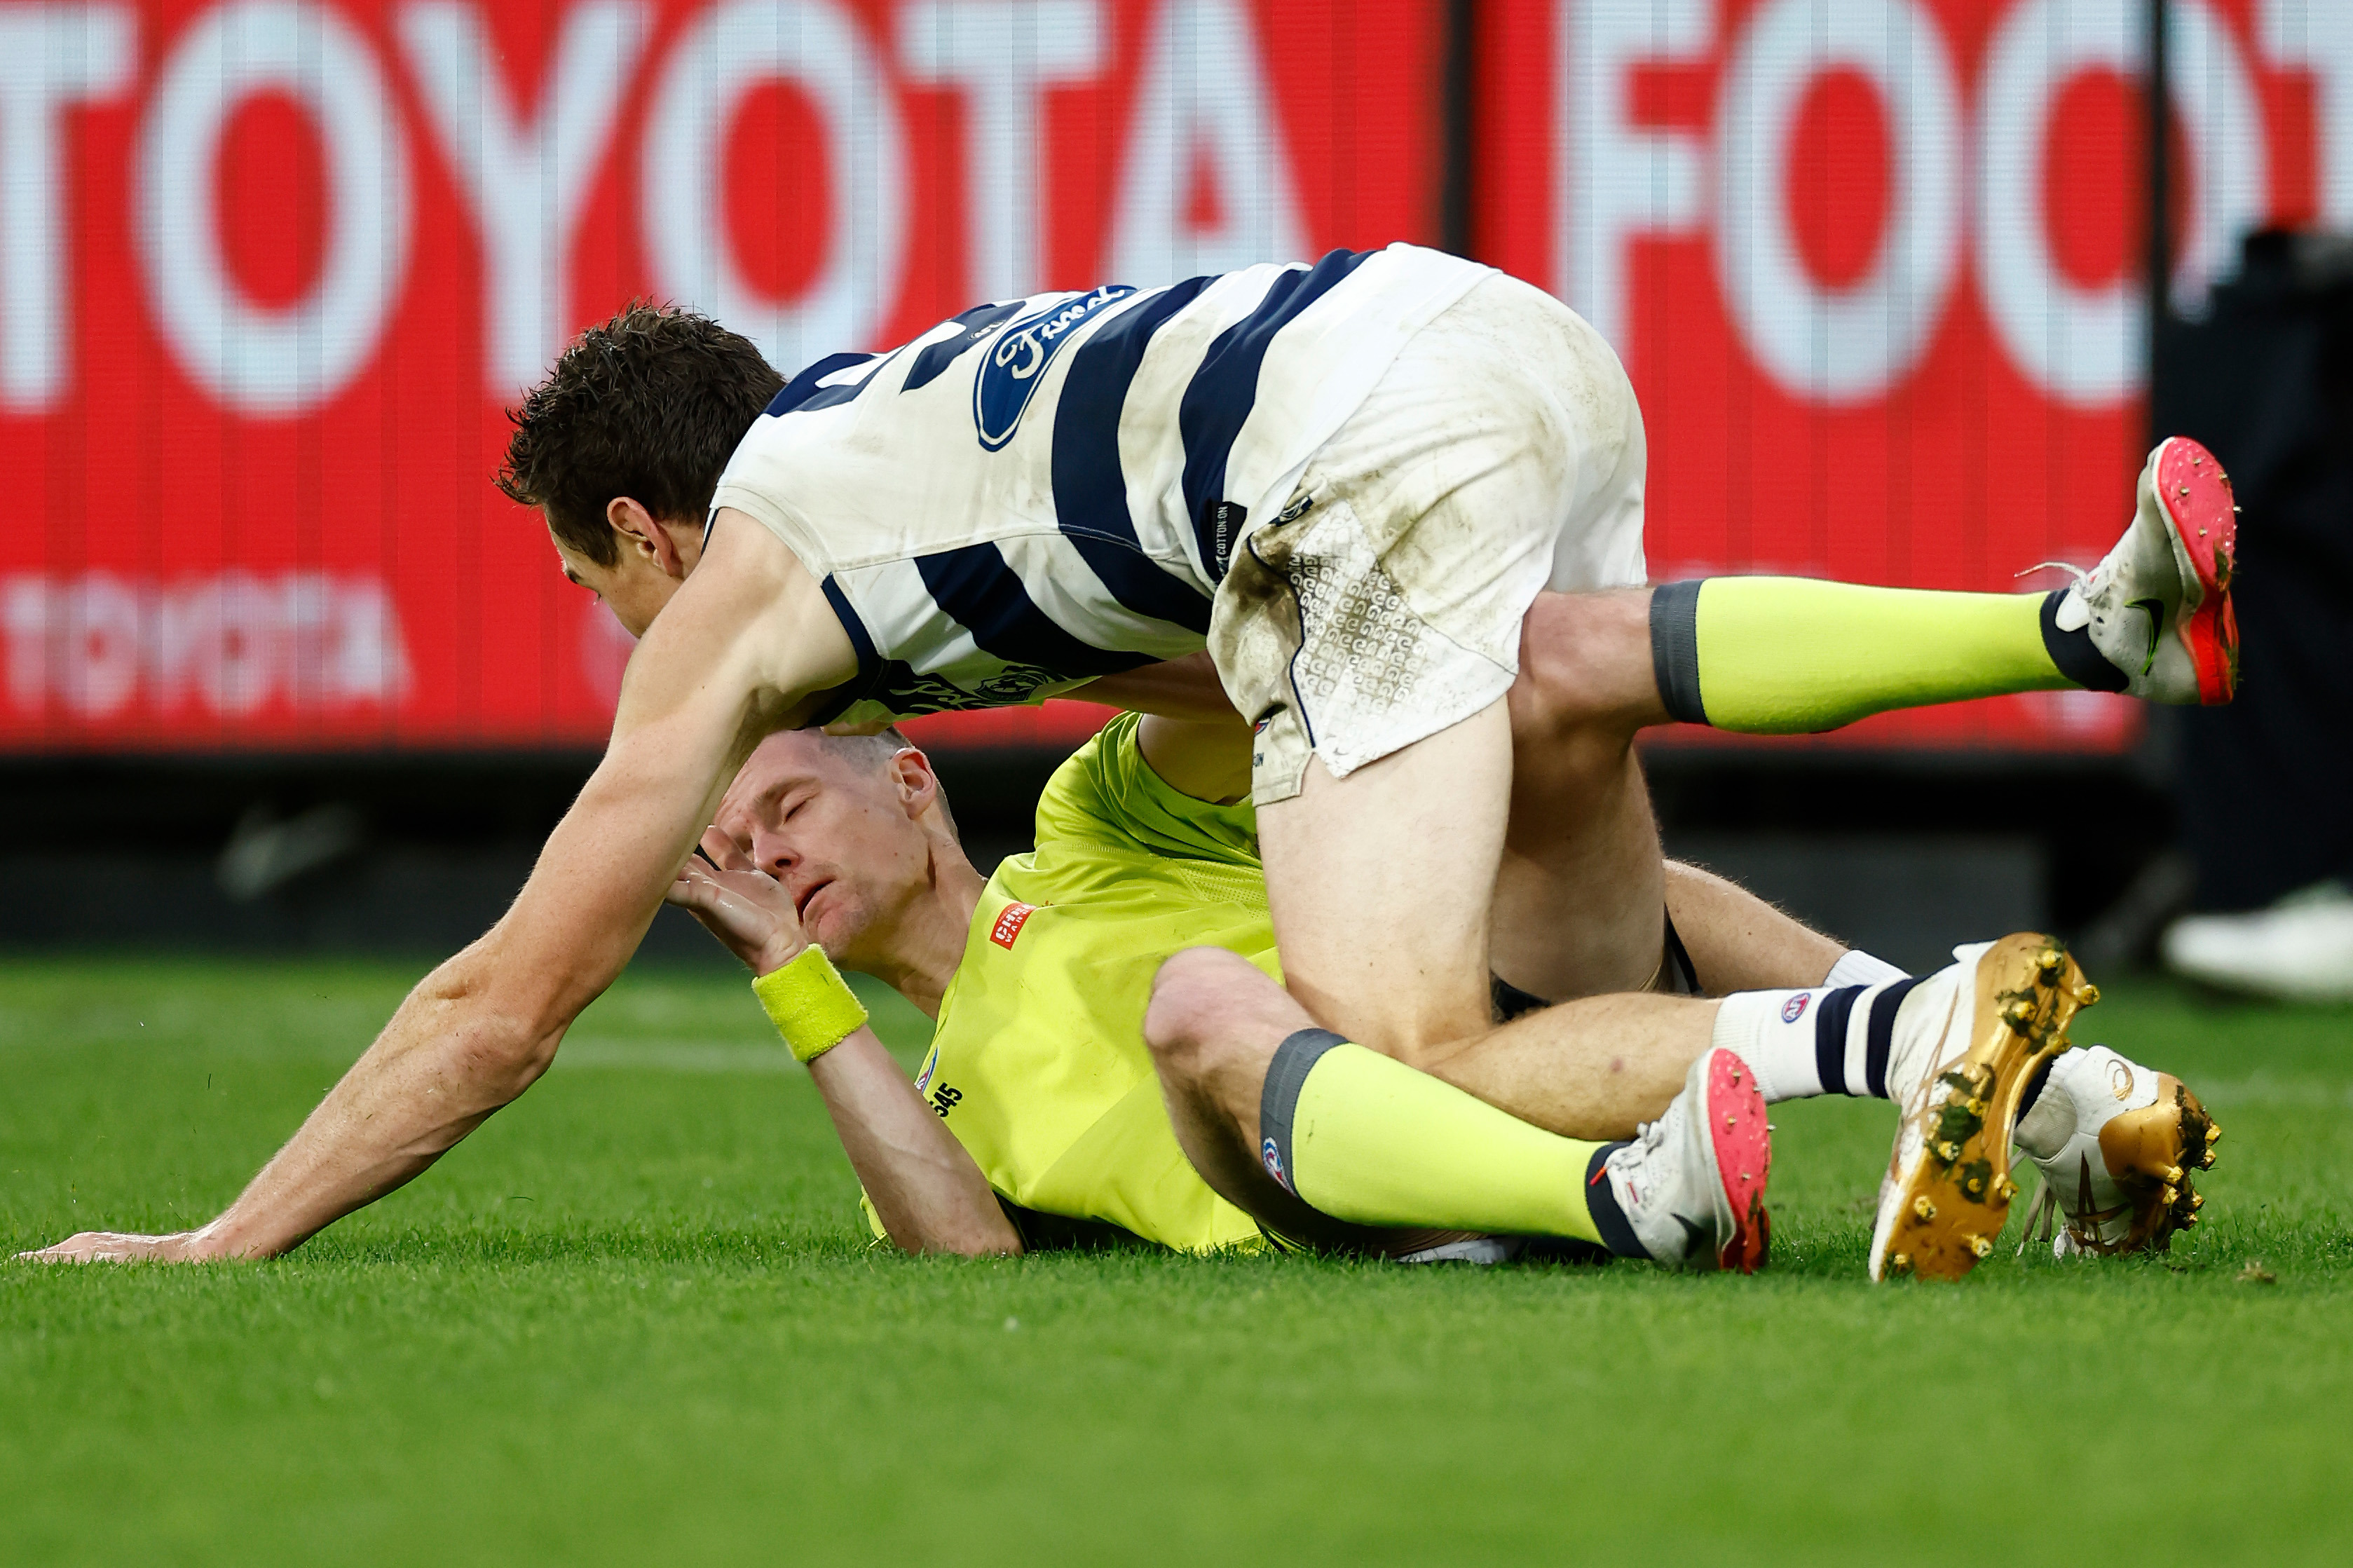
{"type": "Point", "coordinates": [1201, 1006]}
{"type": "Point", "coordinates": [1576, 651]}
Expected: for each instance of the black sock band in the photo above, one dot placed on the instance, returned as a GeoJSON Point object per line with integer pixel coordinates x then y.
{"type": "Point", "coordinates": [2034, 1087]}
{"type": "Point", "coordinates": [1509, 1001]}
{"type": "Point", "coordinates": [1880, 1037]}
{"type": "Point", "coordinates": [1675, 648]}
{"type": "Point", "coordinates": [2072, 652]}
{"type": "Point", "coordinates": [1278, 1100]}
{"type": "Point", "coordinates": [1832, 1013]}
{"type": "Point", "coordinates": [1677, 975]}
{"type": "Point", "coordinates": [1601, 1203]}
{"type": "Point", "coordinates": [1682, 978]}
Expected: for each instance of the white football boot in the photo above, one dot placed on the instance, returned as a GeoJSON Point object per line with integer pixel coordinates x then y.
{"type": "Point", "coordinates": [2122, 1140]}
{"type": "Point", "coordinates": [1692, 1184]}
{"type": "Point", "coordinates": [2300, 949]}
{"type": "Point", "coordinates": [1967, 1042]}
{"type": "Point", "coordinates": [2158, 604]}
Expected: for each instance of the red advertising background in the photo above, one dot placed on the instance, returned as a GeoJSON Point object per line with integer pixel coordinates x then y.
{"type": "Point", "coordinates": [1875, 266]}
{"type": "Point", "coordinates": [254, 463]}
{"type": "Point", "coordinates": [269, 272]}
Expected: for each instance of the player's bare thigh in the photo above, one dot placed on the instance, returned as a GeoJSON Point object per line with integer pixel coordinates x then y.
{"type": "Point", "coordinates": [1381, 886]}
{"type": "Point", "coordinates": [1373, 638]}
{"type": "Point", "coordinates": [1387, 885]}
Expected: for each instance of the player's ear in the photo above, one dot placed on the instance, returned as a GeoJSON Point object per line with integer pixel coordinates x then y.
{"type": "Point", "coordinates": [641, 533]}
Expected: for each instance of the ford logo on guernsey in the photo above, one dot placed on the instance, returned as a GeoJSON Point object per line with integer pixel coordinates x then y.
{"type": "Point", "coordinates": [1008, 376]}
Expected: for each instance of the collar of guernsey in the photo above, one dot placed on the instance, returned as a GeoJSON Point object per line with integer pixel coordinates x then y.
{"type": "Point", "coordinates": [1038, 1057]}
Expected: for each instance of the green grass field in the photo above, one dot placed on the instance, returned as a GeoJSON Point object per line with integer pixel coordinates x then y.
{"type": "Point", "coordinates": [635, 1319]}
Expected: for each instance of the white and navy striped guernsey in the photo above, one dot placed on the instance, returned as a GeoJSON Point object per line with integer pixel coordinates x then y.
{"type": "Point", "coordinates": [1039, 492]}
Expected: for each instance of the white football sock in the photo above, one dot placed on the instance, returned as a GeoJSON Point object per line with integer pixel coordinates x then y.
{"type": "Point", "coordinates": [1822, 1040]}
{"type": "Point", "coordinates": [1856, 967]}
{"type": "Point", "coordinates": [2044, 1130]}
{"type": "Point", "coordinates": [2054, 1112]}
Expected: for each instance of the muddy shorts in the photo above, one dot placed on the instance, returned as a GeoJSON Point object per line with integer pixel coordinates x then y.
{"type": "Point", "coordinates": [1501, 455]}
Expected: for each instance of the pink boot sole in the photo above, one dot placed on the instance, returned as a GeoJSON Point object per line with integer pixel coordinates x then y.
{"type": "Point", "coordinates": [1744, 1156]}
{"type": "Point", "coordinates": [2196, 495]}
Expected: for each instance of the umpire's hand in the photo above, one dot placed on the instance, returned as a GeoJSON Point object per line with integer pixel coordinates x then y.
{"type": "Point", "coordinates": [748, 910]}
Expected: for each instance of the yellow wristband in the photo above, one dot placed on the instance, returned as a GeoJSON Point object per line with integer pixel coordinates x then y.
{"type": "Point", "coordinates": [809, 1005]}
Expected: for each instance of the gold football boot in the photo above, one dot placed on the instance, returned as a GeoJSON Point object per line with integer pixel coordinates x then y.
{"type": "Point", "coordinates": [2122, 1140]}
{"type": "Point", "coordinates": [1967, 1041]}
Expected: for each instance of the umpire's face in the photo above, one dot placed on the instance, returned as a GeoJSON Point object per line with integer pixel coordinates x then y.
{"type": "Point", "coordinates": [841, 822]}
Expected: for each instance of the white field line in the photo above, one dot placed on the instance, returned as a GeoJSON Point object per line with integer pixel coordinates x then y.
{"type": "Point", "coordinates": [2286, 1093]}
{"type": "Point", "coordinates": [645, 1054]}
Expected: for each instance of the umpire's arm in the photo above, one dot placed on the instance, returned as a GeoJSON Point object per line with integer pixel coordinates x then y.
{"type": "Point", "coordinates": [923, 1186]}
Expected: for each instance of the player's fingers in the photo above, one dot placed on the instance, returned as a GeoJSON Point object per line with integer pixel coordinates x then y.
{"type": "Point", "coordinates": [90, 1246]}
{"type": "Point", "coordinates": [62, 1252]}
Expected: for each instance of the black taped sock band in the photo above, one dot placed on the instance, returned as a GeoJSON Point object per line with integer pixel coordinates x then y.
{"type": "Point", "coordinates": [1509, 1001]}
{"type": "Point", "coordinates": [1681, 974]}
{"type": "Point", "coordinates": [1601, 1203]}
{"type": "Point", "coordinates": [1675, 648]}
{"type": "Point", "coordinates": [1879, 1040]}
{"type": "Point", "coordinates": [2072, 652]}
{"type": "Point", "coordinates": [1279, 1100]}
{"type": "Point", "coordinates": [1831, 1014]}
{"type": "Point", "coordinates": [2034, 1089]}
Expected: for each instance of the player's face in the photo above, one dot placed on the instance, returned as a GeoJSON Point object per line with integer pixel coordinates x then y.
{"type": "Point", "coordinates": [636, 586]}
{"type": "Point", "coordinates": [840, 831]}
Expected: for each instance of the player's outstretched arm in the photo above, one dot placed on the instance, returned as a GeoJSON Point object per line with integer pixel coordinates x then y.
{"type": "Point", "coordinates": [930, 1195]}
{"type": "Point", "coordinates": [732, 657]}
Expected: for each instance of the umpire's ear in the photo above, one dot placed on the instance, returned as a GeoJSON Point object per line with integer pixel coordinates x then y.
{"type": "Point", "coordinates": [918, 785]}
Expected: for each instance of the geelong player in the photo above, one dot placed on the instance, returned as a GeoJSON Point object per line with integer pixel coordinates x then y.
{"type": "Point", "coordinates": [1348, 483]}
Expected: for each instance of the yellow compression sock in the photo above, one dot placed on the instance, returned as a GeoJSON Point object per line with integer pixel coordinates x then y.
{"type": "Point", "coordinates": [1366, 1139]}
{"type": "Point", "coordinates": [1783, 655]}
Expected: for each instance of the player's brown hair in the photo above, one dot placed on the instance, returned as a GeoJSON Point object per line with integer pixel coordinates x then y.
{"type": "Point", "coordinates": [649, 405]}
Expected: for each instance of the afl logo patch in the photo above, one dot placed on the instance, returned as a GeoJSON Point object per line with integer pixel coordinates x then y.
{"type": "Point", "coordinates": [1009, 374]}
{"type": "Point", "coordinates": [1273, 1157]}
{"type": "Point", "coordinates": [1009, 921]}
{"type": "Point", "coordinates": [1791, 1011]}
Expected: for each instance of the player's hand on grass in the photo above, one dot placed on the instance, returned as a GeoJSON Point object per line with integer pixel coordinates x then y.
{"type": "Point", "coordinates": [748, 910]}
{"type": "Point", "coordinates": [109, 1246]}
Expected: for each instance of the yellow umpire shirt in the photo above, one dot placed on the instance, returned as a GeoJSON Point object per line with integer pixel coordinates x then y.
{"type": "Point", "coordinates": [1038, 1064]}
